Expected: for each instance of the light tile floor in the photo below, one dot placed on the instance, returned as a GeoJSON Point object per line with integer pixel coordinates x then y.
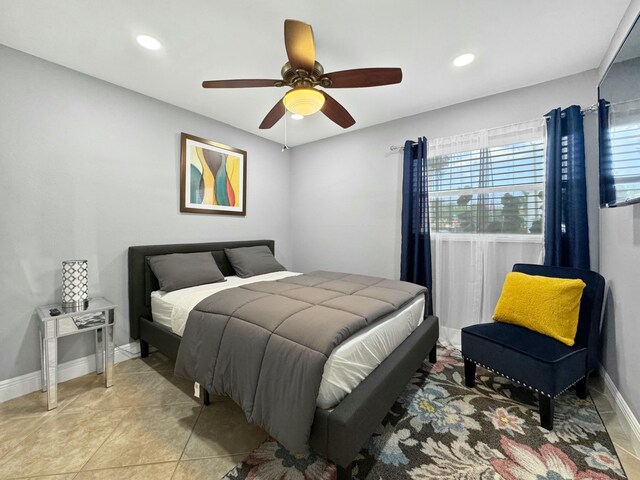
{"type": "Point", "coordinates": [629, 456]}
{"type": "Point", "coordinates": [149, 426]}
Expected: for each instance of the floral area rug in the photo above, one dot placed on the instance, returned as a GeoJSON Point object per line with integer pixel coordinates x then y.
{"type": "Point", "coordinates": [438, 428]}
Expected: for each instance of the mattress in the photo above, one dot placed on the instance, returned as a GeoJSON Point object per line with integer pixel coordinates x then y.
{"type": "Point", "coordinates": [348, 364]}
{"type": "Point", "coordinates": [353, 360]}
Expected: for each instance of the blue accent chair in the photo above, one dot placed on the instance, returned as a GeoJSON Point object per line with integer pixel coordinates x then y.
{"type": "Point", "coordinates": [534, 360]}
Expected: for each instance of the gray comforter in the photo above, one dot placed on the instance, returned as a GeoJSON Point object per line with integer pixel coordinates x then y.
{"type": "Point", "coordinates": [265, 344]}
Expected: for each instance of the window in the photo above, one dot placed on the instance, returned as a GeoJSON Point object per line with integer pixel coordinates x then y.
{"type": "Point", "coordinates": [486, 193]}
{"type": "Point", "coordinates": [625, 160]}
{"type": "Point", "coordinates": [492, 190]}
{"type": "Point", "coordinates": [619, 152]}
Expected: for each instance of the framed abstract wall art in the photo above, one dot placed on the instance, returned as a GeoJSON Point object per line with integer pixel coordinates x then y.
{"type": "Point", "coordinates": [213, 177]}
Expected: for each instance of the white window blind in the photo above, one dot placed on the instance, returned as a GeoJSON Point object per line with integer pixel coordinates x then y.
{"type": "Point", "coordinates": [625, 159]}
{"type": "Point", "coordinates": [624, 144]}
{"type": "Point", "coordinates": [492, 189]}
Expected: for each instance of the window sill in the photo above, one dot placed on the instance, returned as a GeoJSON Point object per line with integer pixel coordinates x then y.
{"type": "Point", "coordinates": [489, 237]}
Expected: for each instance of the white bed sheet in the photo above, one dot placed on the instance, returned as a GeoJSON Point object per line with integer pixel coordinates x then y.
{"type": "Point", "coordinates": [348, 364]}
{"type": "Point", "coordinates": [171, 309]}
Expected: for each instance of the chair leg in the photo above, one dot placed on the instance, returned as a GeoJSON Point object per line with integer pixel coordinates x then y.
{"type": "Point", "coordinates": [469, 373]}
{"type": "Point", "coordinates": [433, 354]}
{"type": "Point", "coordinates": [581, 388]}
{"type": "Point", "coordinates": [144, 349]}
{"type": "Point", "coordinates": [546, 411]}
{"type": "Point", "coordinates": [205, 396]}
{"type": "Point", "coordinates": [345, 473]}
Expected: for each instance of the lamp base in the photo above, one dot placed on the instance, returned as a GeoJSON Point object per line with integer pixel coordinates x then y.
{"type": "Point", "coordinates": [75, 306]}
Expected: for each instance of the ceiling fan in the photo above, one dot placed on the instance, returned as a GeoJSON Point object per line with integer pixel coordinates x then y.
{"type": "Point", "coordinates": [303, 73]}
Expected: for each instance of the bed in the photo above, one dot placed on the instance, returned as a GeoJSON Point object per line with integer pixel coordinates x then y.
{"type": "Point", "coordinates": [338, 433]}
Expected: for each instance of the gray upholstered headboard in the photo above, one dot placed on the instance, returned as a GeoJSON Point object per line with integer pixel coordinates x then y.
{"type": "Point", "coordinates": [142, 281]}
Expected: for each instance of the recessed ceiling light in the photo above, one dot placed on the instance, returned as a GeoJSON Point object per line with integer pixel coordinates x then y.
{"type": "Point", "coordinates": [297, 116]}
{"type": "Point", "coordinates": [148, 42]}
{"type": "Point", "coordinates": [463, 60]}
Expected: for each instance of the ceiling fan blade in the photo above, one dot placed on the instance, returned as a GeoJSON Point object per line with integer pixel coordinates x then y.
{"type": "Point", "coordinates": [365, 77]}
{"type": "Point", "coordinates": [336, 112]}
{"type": "Point", "coordinates": [275, 114]}
{"type": "Point", "coordinates": [298, 40]}
{"type": "Point", "coordinates": [239, 83]}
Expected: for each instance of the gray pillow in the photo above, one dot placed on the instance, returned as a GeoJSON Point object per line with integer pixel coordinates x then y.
{"type": "Point", "coordinates": [183, 270]}
{"type": "Point", "coordinates": [250, 261]}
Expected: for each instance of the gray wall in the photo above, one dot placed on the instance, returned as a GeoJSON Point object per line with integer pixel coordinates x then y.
{"type": "Point", "coordinates": [89, 169]}
{"type": "Point", "coordinates": [620, 265]}
{"type": "Point", "coordinates": [345, 191]}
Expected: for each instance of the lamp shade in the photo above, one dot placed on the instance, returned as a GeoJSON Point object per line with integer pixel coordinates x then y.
{"type": "Point", "coordinates": [75, 284]}
{"type": "Point", "coordinates": [303, 101]}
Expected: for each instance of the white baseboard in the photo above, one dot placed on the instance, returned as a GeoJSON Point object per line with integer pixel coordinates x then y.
{"type": "Point", "coordinates": [32, 382]}
{"type": "Point", "coordinates": [627, 419]}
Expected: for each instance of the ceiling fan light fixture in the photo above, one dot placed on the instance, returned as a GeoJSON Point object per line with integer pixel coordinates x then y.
{"type": "Point", "coordinates": [302, 72]}
{"type": "Point", "coordinates": [297, 116]}
{"type": "Point", "coordinates": [303, 101]}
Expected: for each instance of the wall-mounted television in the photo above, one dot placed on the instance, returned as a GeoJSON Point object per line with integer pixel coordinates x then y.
{"type": "Point", "coordinates": [619, 122]}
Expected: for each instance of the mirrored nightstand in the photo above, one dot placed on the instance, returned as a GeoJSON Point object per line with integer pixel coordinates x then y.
{"type": "Point", "coordinates": [98, 317]}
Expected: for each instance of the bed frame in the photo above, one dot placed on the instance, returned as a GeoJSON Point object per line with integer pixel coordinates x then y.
{"type": "Point", "coordinates": [336, 434]}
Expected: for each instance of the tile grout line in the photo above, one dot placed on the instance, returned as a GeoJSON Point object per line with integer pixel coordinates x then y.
{"type": "Point", "coordinates": [6, 455]}
{"type": "Point", "coordinates": [630, 424]}
{"type": "Point", "coordinates": [118, 467]}
{"type": "Point", "coordinates": [126, 407]}
{"type": "Point", "coordinates": [601, 412]}
{"type": "Point", "coordinates": [617, 445]}
{"type": "Point", "coordinates": [153, 370]}
{"type": "Point", "coordinates": [605, 412]}
{"type": "Point", "coordinates": [616, 419]}
{"type": "Point", "coordinates": [187, 442]}
{"type": "Point", "coordinates": [103, 442]}
{"type": "Point", "coordinates": [223, 456]}
{"type": "Point", "coordinates": [47, 417]}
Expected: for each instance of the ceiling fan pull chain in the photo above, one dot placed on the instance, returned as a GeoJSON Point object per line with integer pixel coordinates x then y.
{"type": "Point", "coordinates": [285, 147]}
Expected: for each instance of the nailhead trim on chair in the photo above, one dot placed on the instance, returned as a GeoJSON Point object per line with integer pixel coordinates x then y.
{"type": "Point", "coordinates": [521, 383]}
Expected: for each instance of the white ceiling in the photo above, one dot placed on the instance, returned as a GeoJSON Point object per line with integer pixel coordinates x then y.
{"type": "Point", "coordinates": [516, 43]}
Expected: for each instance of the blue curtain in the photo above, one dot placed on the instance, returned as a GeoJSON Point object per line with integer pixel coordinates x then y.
{"type": "Point", "coordinates": [566, 227]}
{"type": "Point", "coordinates": [416, 241]}
{"type": "Point", "coordinates": [607, 186]}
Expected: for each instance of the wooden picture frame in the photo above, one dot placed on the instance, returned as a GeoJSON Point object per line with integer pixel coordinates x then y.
{"type": "Point", "coordinates": [204, 167]}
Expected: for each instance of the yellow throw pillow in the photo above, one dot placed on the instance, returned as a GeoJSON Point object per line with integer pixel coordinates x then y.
{"type": "Point", "coordinates": [543, 304]}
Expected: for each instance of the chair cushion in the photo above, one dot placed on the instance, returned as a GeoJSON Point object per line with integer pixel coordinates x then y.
{"type": "Point", "coordinates": [538, 361]}
{"type": "Point", "coordinates": [543, 304]}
